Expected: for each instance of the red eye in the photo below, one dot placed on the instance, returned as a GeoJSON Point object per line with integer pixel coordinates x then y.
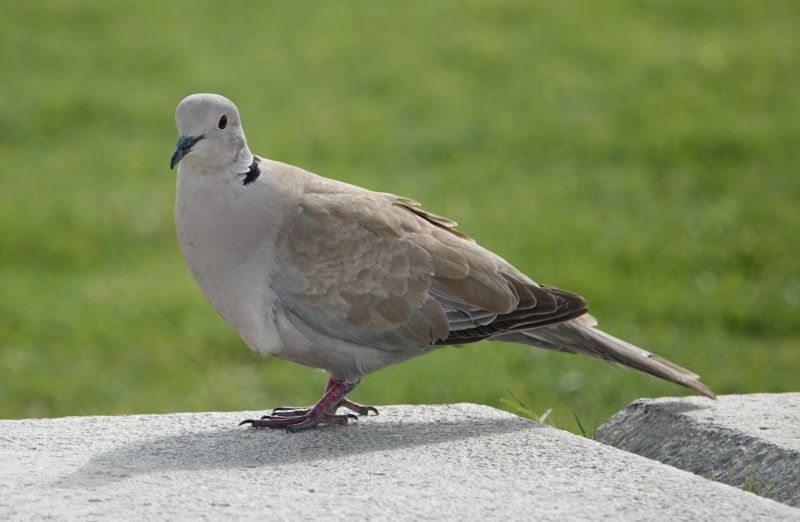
{"type": "Point", "coordinates": [223, 122]}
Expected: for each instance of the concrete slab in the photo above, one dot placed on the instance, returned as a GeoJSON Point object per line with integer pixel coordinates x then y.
{"type": "Point", "coordinates": [749, 441]}
{"type": "Point", "coordinates": [410, 463]}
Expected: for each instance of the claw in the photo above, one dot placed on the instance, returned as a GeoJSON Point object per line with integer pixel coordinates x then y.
{"type": "Point", "coordinates": [358, 408]}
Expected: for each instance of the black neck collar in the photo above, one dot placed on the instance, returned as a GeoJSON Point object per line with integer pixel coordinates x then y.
{"type": "Point", "coordinates": [253, 172]}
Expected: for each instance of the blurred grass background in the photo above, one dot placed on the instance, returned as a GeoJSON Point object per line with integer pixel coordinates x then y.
{"type": "Point", "coordinates": [644, 154]}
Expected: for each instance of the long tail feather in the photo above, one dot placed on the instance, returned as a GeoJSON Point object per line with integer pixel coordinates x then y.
{"type": "Point", "coordinates": [573, 336]}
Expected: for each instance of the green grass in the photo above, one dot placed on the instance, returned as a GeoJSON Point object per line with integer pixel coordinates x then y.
{"type": "Point", "coordinates": [753, 486]}
{"type": "Point", "coordinates": [750, 484]}
{"type": "Point", "coordinates": [643, 154]}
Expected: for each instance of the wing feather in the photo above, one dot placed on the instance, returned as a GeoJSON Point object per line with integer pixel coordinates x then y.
{"type": "Point", "coordinates": [378, 270]}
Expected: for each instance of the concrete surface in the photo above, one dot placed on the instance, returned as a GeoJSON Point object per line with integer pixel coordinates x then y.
{"type": "Point", "coordinates": [410, 463]}
{"type": "Point", "coordinates": [749, 441]}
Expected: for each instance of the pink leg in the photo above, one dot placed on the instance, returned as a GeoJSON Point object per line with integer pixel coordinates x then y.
{"type": "Point", "coordinates": [296, 411]}
{"type": "Point", "coordinates": [322, 412]}
{"type": "Point", "coordinates": [293, 411]}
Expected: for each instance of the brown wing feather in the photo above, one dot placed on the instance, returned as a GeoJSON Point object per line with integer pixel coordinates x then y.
{"type": "Point", "coordinates": [378, 270]}
{"type": "Point", "coordinates": [442, 222]}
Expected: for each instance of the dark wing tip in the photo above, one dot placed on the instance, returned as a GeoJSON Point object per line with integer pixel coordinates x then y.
{"type": "Point", "coordinates": [544, 305]}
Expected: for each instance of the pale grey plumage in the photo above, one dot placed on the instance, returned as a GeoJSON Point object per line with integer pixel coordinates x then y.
{"type": "Point", "coordinates": [338, 277]}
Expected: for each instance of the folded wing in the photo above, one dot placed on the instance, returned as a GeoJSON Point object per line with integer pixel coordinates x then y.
{"type": "Point", "coordinates": [376, 269]}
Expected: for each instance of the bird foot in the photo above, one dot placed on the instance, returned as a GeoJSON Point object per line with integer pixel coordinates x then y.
{"type": "Point", "coordinates": [299, 422]}
{"type": "Point", "coordinates": [294, 411]}
{"type": "Point", "coordinates": [324, 412]}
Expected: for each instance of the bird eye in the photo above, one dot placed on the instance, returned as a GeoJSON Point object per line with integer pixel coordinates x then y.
{"type": "Point", "coordinates": [223, 122]}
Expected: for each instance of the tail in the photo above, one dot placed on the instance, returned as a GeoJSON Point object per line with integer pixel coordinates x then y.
{"type": "Point", "coordinates": [579, 336]}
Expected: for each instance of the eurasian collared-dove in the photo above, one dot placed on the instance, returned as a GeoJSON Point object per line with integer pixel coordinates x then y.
{"type": "Point", "coordinates": [334, 276]}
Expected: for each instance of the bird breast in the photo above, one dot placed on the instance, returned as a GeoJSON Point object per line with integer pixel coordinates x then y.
{"type": "Point", "coordinates": [227, 240]}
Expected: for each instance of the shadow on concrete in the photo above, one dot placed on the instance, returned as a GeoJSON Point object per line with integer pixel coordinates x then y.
{"type": "Point", "coordinates": [253, 448]}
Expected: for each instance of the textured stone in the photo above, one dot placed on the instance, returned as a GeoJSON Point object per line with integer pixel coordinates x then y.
{"type": "Point", "coordinates": [749, 441]}
{"type": "Point", "coordinates": [410, 463]}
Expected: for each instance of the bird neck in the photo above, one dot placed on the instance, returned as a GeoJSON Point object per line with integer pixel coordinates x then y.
{"type": "Point", "coordinates": [252, 173]}
{"type": "Point", "coordinates": [243, 161]}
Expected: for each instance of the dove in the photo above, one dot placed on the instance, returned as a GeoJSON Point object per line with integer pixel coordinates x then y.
{"type": "Point", "coordinates": [340, 278]}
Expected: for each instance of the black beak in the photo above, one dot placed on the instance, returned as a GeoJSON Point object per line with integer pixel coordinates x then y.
{"type": "Point", "coordinates": [182, 148]}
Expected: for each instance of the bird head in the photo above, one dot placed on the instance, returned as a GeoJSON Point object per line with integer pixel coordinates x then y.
{"type": "Point", "coordinates": [211, 132]}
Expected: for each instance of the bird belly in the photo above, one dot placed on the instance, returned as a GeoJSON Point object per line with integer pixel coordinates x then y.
{"type": "Point", "coordinates": [345, 360]}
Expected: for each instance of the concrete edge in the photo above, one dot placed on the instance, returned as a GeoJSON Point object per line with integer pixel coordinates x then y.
{"type": "Point", "coordinates": [704, 448]}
